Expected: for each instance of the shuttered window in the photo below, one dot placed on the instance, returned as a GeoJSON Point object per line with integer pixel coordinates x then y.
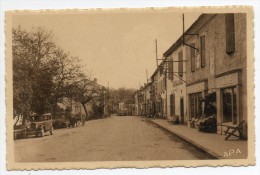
{"type": "Point", "coordinates": [180, 63]}
{"type": "Point", "coordinates": [230, 33]}
{"type": "Point", "coordinates": [161, 69]}
{"type": "Point", "coordinates": [165, 83]}
{"type": "Point", "coordinates": [202, 51]}
{"type": "Point", "coordinates": [172, 104]}
{"type": "Point", "coordinates": [170, 69]}
{"type": "Point", "coordinates": [192, 57]}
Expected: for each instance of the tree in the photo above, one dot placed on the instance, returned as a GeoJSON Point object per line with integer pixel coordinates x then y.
{"type": "Point", "coordinates": [85, 91]}
{"type": "Point", "coordinates": [68, 71]}
{"type": "Point", "coordinates": [42, 72]}
{"type": "Point", "coordinates": [32, 54]}
{"type": "Point", "coordinates": [121, 95]}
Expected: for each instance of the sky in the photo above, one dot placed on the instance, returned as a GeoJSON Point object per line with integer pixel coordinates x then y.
{"type": "Point", "coordinates": [116, 46]}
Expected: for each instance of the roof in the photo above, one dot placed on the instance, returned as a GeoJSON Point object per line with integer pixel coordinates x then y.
{"type": "Point", "coordinates": [157, 69]}
{"type": "Point", "coordinates": [179, 42]}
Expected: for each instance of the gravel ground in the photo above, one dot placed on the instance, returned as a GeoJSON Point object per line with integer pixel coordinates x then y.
{"type": "Point", "coordinates": [111, 139]}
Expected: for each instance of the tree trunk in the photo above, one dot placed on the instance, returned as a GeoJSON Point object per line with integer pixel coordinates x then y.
{"type": "Point", "coordinates": [86, 112]}
{"type": "Point", "coordinates": [24, 115]}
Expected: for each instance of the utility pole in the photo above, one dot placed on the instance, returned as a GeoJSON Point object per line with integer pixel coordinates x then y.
{"type": "Point", "coordinates": [156, 52]}
{"type": "Point", "coordinates": [146, 76]}
{"type": "Point", "coordinates": [108, 97]}
{"type": "Point", "coordinates": [183, 29]}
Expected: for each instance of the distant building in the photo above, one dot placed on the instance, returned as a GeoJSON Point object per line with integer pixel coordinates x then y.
{"type": "Point", "coordinates": [136, 105]}
{"type": "Point", "coordinates": [158, 91]}
{"type": "Point", "coordinates": [77, 110]}
{"type": "Point", "coordinates": [122, 109]}
{"type": "Point", "coordinates": [147, 98]}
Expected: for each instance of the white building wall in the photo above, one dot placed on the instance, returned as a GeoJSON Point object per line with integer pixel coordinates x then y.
{"type": "Point", "coordinates": [177, 87]}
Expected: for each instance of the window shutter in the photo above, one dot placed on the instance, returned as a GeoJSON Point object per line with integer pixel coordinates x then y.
{"type": "Point", "coordinates": [202, 51]}
{"type": "Point", "coordinates": [230, 33]}
{"type": "Point", "coordinates": [180, 63]}
{"type": "Point", "coordinates": [171, 104]}
{"type": "Point", "coordinates": [170, 69]}
{"type": "Point", "coordinates": [165, 83]}
{"type": "Point", "coordinates": [192, 57]}
{"type": "Point", "coordinates": [161, 69]}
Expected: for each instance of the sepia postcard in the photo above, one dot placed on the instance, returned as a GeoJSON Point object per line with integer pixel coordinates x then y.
{"type": "Point", "coordinates": [139, 88]}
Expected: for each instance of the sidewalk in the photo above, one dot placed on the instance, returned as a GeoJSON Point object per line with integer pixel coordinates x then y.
{"type": "Point", "coordinates": [213, 144]}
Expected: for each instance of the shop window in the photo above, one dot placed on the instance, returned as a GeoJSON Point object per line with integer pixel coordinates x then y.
{"type": "Point", "coordinates": [229, 103]}
{"type": "Point", "coordinates": [230, 33]}
{"type": "Point", "coordinates": [192, 57]}
{"type": "Point", "coordinates": [172, 104]}
{"type": "Point", "coordinates": [202, 51]}
{"type": "Point", "coordinates": [196, 105]}
{"type": "Point", "coordinates": [180, 63]}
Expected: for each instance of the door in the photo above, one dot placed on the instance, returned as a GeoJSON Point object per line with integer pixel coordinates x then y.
{"type": "Point", "coordinates": [182, 110]}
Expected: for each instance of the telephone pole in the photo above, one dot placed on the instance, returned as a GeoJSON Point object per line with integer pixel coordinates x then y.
{"type": "Point", "coordinates": [146, 76]}
{"type": "Point", "coordinates": [156, 52]}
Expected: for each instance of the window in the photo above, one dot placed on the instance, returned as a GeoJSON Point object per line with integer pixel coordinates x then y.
{"type": "Point", "coordinates": [172, 104]}
{"type": "Point", "coordinates": [229, 105]}
{"type": "Point", "coordinates": [170, 69]}
{"type": "Point", "coordinates": [202, 51]}
{"type": "Point", "coordinates": [192, 57]}
{"type": "Point", "coordinates": [161, 69]}
{"type": "Point", "coordinates": [230, 33]}
{"type": "Point", "coordinates": [196, 105]}
{"type": "Point", "coordinates": [180, 59]}
{"type": "Point", "coordinates": [165, 82]}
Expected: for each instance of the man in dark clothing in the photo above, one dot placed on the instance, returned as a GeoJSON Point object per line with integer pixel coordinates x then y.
{"type": "Point", "coordinates": [209, 124]}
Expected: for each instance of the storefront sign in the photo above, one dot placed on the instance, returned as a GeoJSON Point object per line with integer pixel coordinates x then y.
{"type": "Point", "coordinates": [227, 80]}
{"type": "Point", "coordinates": [198, 87]}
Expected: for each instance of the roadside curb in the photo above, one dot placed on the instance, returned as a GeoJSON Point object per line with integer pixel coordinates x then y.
{"type": "Point", "coordinates": [191, 142]}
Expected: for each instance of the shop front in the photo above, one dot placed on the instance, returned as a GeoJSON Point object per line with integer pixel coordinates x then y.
{"type": "Point", "coordinates": [195, 94]}
{"type": "Point", "coordinates": [228, 100]}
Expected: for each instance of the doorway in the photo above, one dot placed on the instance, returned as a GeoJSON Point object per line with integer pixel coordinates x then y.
{"type": "Point", "coordinates": [182, 110]}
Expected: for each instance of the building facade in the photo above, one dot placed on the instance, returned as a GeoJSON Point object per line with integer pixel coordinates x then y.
{"type": "Point", "coordinates": [159, 91]}
{"type": "Point", "coordinates": [216, 70]}
{"type": "Point", "coordinates": [147, 99]}
{"type": "Point", "coordinates": [204, 73]}
{"type": "Point", "coordinates": [176, 82]}
{"type": "Point", "coordinates": [136, 105]}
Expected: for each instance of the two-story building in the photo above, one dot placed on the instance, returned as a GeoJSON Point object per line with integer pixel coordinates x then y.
{"type": "Point", "coordinates": [147, 99]}
{"type": "Point", "coordinates": [176, 82]}
{"type": "Point", "coordinates": [216, 67]}
{"type": "Point", "coordinates": [159, 90]}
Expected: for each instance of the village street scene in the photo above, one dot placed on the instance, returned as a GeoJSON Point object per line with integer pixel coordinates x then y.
{"type": "Point", "coordinates": [129, 87]}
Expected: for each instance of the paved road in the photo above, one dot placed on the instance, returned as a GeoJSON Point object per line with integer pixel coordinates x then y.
{"type": "Point", "coordinates": [110, 139]}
